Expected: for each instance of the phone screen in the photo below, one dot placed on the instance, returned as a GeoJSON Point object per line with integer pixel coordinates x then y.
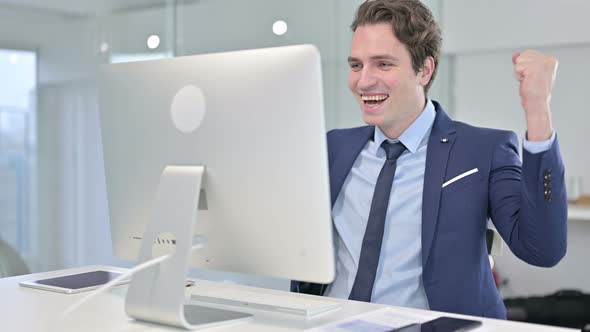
{"type": "Point", "coordinates": [80, 280]}
{"type": "Point", "coordinates": [441, 324]}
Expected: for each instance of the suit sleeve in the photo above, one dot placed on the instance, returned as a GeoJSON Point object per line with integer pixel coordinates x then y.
{"type": "Point", "coordinates": [528, 203]}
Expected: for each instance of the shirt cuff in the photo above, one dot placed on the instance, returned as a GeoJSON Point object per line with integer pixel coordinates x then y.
{"type": "Point", "coordinates": [538, 146]}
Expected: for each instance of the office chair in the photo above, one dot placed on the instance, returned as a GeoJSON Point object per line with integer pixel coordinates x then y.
{"type": "Point", "coordinates": [11, 264]}
{"type": "Point", "coordinates": [495, 244]}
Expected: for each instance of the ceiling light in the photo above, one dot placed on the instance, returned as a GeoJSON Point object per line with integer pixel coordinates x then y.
{"type": "Point", "coordinates": [279, 27]}
{"type": "Point", "coordinates": [153, 41]}
{"type": "Point", "coordinates": [104, 47]}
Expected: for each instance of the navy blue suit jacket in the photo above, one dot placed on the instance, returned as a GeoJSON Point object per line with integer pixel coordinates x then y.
{"type": "Point", "coordinates": [456, 271]}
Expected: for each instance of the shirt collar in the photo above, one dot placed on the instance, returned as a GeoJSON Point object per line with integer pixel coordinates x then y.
{"type": "Point", "coordinates": [414, 134]}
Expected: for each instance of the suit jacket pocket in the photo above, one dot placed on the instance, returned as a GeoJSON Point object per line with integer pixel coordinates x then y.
{"type": "Point", "coordinates": [462, 180]}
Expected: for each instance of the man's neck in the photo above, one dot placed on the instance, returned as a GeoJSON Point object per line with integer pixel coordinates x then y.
{"type": "Point", "coordinates": [397, 129]}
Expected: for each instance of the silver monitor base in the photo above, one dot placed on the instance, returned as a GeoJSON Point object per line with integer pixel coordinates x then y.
{"type": "Point", "coordinates": [199, 315]}
{"type": "Point", "coordinates": [157, 293]}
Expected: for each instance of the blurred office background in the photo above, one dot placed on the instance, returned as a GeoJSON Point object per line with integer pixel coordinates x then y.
{"type": "Point", "coordinates": [53, 207]}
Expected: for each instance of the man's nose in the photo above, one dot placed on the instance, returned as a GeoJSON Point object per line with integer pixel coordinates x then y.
{"type": "Point", "coordinates": [366, 79]}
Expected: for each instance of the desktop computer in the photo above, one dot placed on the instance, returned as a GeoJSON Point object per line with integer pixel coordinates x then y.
{"type": "Point", "coordinates": [252, 124]}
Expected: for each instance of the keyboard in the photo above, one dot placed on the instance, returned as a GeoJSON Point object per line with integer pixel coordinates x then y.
{"type": "Point", "coordinates": [264, 301]}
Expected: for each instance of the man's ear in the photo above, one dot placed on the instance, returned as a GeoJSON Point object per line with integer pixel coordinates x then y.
{"type": "Point", "coordinates": [425, 74]}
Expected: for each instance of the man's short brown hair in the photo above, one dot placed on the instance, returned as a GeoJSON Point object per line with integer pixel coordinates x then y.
{"type": "Point", "coordinates": [413, 24]}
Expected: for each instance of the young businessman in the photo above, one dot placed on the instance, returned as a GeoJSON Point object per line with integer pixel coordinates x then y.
{"type": "Point", "coordinates": [412, 192]}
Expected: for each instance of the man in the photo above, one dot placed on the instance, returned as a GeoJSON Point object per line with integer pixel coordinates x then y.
{"type": "Point", "coordinates": [411, 223]}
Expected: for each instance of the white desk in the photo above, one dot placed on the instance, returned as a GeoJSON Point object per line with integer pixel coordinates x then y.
{"type": "Point", "coordinates": [26, 309]}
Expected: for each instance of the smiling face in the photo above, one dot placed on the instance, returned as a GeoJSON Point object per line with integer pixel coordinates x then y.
{"type": "Point", "coordinates": [383, 81]}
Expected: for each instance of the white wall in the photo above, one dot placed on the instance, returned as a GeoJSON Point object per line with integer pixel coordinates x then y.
{"type": "Point", "coordinates": [64, 45]}
{"type": "Point", "coordinates": [478, 25]}
{"type": "Point", "coordinates": [481, 36]}
{"type": "Point", "coordinates": [127, 32]}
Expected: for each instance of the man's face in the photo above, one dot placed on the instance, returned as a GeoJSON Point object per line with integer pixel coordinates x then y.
{"type": "Point", "coordinates": [390, 93]}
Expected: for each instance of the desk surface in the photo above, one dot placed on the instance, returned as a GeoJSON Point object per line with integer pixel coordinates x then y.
{"type": "Point", "coordinates": [26, 309]}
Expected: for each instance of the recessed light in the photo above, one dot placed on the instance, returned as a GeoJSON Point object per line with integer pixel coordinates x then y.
{"type": "Point", "coordinates": [153, 41]}
{"type": "Point", "coordinates": [104, 47]}
{"type": "Point", "coordinates": [279, 27]}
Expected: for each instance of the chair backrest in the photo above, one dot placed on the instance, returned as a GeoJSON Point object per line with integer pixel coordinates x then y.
{"type": "Point", "coordinates": [495, 244]}
{"type": "Point", "coordinates": [490, 239]}
{"type": "Point", "coordinates": [11, 263]}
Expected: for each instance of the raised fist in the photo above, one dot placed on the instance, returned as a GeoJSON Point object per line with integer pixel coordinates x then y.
{"type": "Point", "coordinates": [536, 73]}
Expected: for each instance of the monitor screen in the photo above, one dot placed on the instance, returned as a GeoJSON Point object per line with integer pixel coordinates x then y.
{"type": "Point", "coordinates": [254, 119]}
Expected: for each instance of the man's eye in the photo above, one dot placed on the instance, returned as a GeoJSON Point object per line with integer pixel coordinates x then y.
{"type": "Point", "coordinates": [355, 66]}
{"type": "Point", "coordinates": [385, 64]}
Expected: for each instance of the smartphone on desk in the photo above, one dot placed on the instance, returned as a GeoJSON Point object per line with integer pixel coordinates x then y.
{"type": "Point", "coordinates": [441, 324]}
{"type": "Point", "coordinates": [75, 283]}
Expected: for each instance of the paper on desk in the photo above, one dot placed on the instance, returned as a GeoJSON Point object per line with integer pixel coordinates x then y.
{"type": "Point", "coordinates": [381, 320]}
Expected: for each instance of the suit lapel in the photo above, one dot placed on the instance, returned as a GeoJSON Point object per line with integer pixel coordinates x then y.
{"type": "Point", "coordinates": [345, 157]}
{"type": "Point", "coordinates": [440, 143]}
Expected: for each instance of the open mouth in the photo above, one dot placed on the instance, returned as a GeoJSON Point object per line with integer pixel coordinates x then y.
{"type": "Point", "coordinates": [374, 99]}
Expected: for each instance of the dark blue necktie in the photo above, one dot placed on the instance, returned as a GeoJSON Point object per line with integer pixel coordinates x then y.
{"type": "Point", "coordinates": [369, 259]}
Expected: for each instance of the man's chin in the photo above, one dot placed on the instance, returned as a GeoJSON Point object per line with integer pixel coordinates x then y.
{"type": "Point", "coordinates": [372, 119]}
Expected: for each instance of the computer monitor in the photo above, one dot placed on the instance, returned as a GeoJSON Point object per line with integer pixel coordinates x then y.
{"type": "Point", "coordinates": [255, 120]}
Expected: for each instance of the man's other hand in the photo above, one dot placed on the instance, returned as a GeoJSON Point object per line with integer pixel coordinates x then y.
{"type": "Point", "coordinates": [536, 73]}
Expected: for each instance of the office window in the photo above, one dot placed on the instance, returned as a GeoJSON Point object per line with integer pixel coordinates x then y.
{"type": "Point", "coordinates": [18, 150]}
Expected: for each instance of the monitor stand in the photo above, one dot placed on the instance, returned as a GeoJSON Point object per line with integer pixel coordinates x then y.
{"type": "Point", "coordinates": [157, 294]}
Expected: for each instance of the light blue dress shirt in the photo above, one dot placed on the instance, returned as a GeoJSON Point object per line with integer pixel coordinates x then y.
{"type": "Point", "coordinates": [399, 273]}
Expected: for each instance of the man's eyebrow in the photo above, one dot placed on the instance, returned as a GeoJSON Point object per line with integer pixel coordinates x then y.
{"type": "Point", "coordinates": [384, 57]}
{"type": "Point", "coordinates": [375, 57]}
